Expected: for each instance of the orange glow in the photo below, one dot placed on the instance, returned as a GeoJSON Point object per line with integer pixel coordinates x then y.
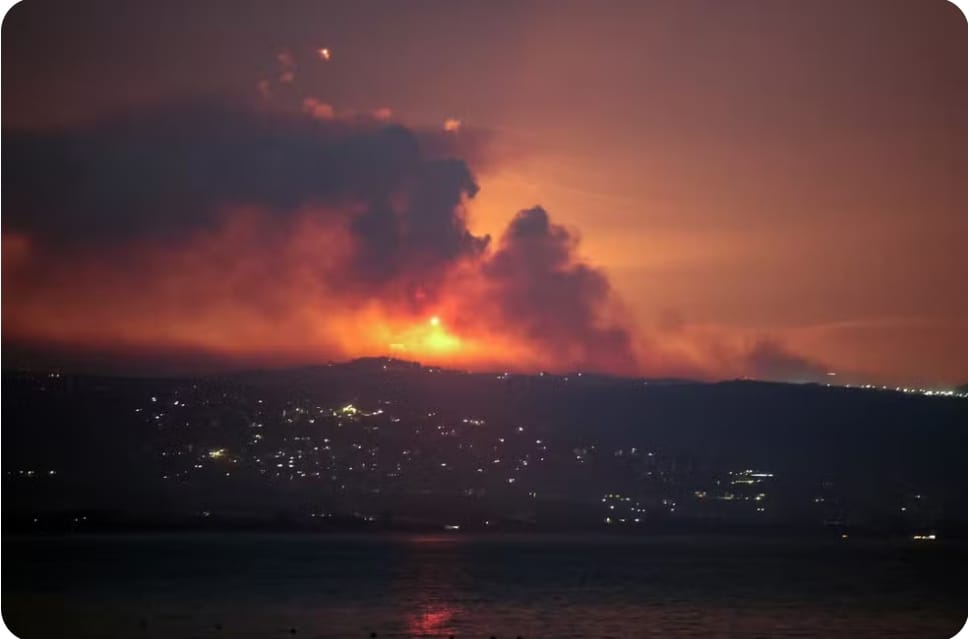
{"type": "Point", "coordinates": [836, 225]}
{"type": "Point", "coordinates": [253, 291]}
{"type": "Point", "coordinates": [249, 291]}
{"type": "Point", "coordinates": [421, 340]}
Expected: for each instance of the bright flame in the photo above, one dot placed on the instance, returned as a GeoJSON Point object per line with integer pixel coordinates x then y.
{"type": "Point", "coordinates": [234, 331]}
{"type": "Point", "coordinates": [451, 124]}
{"type": "Point", "coordinates": [441, 342]}
{"type": "Point", "coordinates": [430, 338]}
{"type": "Point", "coordinates": [324, 54]}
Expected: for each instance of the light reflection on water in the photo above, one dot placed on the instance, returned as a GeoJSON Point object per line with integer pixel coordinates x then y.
{"type": "Point", "coordinates": [438, 586]}
{"type": "Point", "coordinates": [429, 587]}
{"type": "Point", "coordinates": [431, 622]}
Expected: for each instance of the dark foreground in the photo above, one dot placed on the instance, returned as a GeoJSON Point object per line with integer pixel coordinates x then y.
{"type": "Point", "coordinates": [235, 585]}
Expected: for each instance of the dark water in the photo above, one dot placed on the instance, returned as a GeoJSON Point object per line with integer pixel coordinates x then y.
{"type": "Point", "coordinates": [321, 586]}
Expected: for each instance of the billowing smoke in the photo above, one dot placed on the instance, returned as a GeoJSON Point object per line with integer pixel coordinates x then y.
{"type": "Point", "coordinates": [166, 174]}
{"type": "Point", "coordinates": [260, 235]}
{"type": "Point", "coordinates": [281, 212]}
{"type": "Point", "coordinates": [543, 291]}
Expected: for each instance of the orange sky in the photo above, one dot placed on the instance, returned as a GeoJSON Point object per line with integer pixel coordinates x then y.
{"type": "Point", "coordinates": [742, 172]}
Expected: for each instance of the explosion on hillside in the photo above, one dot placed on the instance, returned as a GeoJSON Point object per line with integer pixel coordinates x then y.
{"type": "Point", "coordinates": [262, 235]}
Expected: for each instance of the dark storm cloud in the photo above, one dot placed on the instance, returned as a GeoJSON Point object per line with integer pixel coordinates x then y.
{"type": "Point", "coordinates": [545, 292]}
{"type": "Point", "coordinates": [171, 171]}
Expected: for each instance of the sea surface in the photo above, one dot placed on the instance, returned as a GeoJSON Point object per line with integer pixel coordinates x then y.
{"type": "Point", "coordinates": [274, 585]}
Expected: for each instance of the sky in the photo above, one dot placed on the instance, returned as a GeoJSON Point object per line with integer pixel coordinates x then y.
{"type": "Point", "coordinates": [704, 189]}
